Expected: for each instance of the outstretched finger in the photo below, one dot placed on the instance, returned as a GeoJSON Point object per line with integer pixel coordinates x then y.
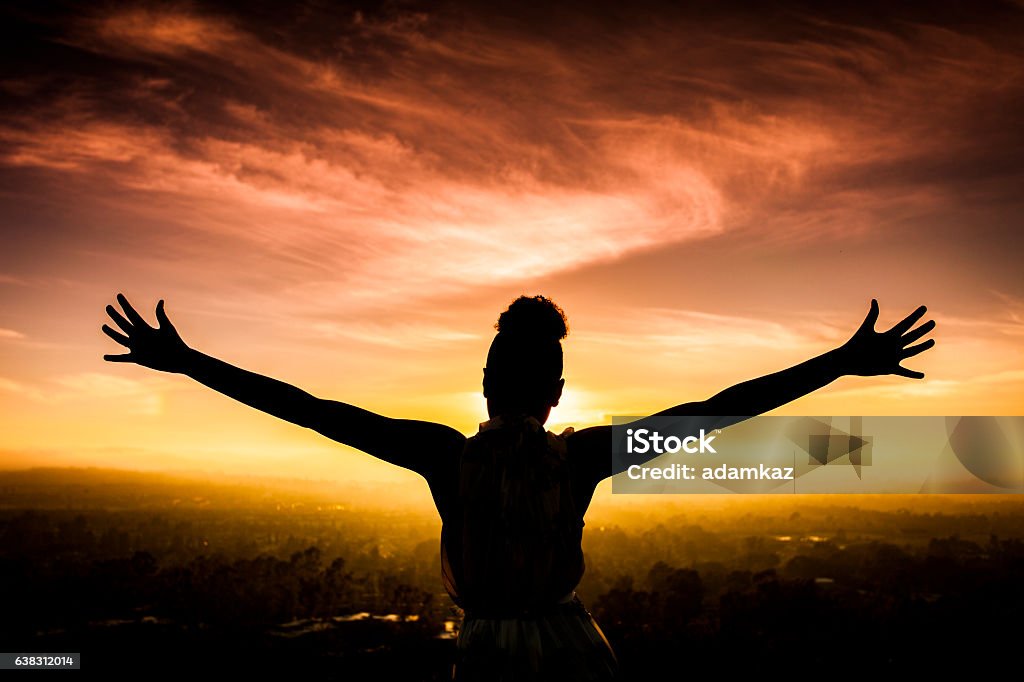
{"type": "Point", "coordinates": [127, 357]}
{"type": "Point", "coordinates": [161, 316]}
{"type": "Point", "coordinates": [117, 336]}
{"type": "Point", "coordinates": [916, 350]}
{"type": "Point", "coordinates": [909, 373]}
{"type": "Point", "coordinates": [132, 314]}
{"type": "Point", "coordinates": [915, 334]}
{"type": "Point", "coordinates": [908, 321]}
{"type": "Point", "coordinates": [119, 320]}
{"type": "Point", "coordinates": [872, 316]}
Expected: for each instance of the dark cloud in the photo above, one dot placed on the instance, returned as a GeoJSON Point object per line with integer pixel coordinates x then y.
{"type": "Point", "coordinates": [356, 128]}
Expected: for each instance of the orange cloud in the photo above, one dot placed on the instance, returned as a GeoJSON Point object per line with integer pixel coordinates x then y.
{"type": "Point", "coordinates": [709, 195]}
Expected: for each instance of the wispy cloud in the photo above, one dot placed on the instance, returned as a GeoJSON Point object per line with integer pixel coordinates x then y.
{"type": "Point", "coordinates": [395, 335]}
{"type": "Point", "coordinates": [132, 396]}
{"type": "Point", "coordinates": [11, 279]}
{"type": "Point", "coordinates": [481, 155]}
{"type": "Point", "coordinates": [693, 331]}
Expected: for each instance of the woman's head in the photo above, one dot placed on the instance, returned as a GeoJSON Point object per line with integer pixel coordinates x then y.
{"type": "Point", "coordinates": [524, 363]}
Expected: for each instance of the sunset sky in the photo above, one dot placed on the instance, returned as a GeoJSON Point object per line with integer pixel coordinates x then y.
{"type": "Point", "coordinates": [345, 198]}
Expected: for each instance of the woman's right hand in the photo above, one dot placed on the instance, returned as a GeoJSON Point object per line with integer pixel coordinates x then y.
{"type": "Point", "coordinates": [159, 348]}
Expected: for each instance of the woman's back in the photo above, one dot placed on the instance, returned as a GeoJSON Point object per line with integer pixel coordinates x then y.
{"type": "Point", "coordinates": [511, 557]}
{"type": "Point", "coordinates": [510, 543]}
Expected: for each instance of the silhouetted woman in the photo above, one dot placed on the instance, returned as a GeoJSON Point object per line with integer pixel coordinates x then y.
{"type": "Point", "coordinates": [513, 496]}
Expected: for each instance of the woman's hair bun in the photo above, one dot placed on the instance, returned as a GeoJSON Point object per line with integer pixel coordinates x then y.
{"type": "Point", "coordinates": [533, 316]}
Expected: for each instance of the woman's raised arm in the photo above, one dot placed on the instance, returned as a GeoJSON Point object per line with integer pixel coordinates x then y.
{"type": "Point", "coordinates": [412, 444]}
{"type": "Point", "coordinates": [866, 353]}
